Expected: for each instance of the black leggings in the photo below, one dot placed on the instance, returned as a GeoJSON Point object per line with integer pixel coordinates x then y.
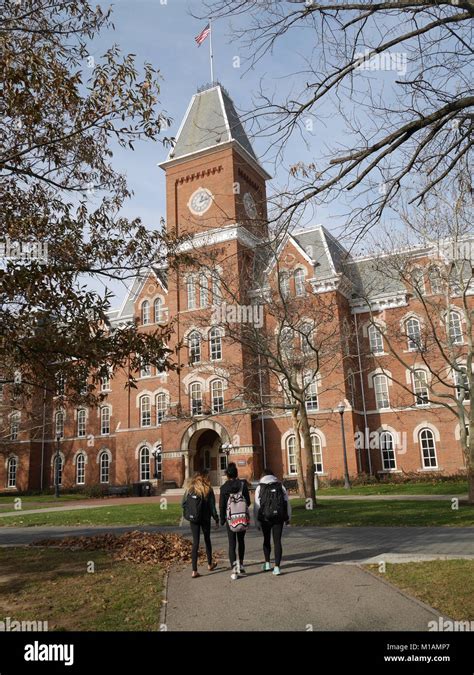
{"type": "Point", "coordinates": [277, 529]}
{"type": "Point", "coordinates": [235, 537]}
{"type": "Point", "coordinates": [196, 531]}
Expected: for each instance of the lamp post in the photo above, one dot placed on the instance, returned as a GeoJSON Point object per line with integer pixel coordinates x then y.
{"type": "Point", "coordinates": [56, 472]}
{"type": "Point", "coordinates": [341, 408]}
{"type": "Point", "coordinates": [155, 454]}
{"type": "Point", "coordinates": [226, 448]}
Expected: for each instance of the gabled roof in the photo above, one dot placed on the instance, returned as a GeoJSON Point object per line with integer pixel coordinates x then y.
{"type": "Point", "coordinates": [210, 121]}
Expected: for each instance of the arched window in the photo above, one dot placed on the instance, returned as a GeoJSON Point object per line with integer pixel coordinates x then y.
{"type": "Point", "coordinates": [428, 449]}
{"type": "Point", "coordinates": [59, 424]}
{"type": "Point", "coordinates": [420, 387]}
{"type": "Point", "coordinates": [14, 426]}
{"type": "Point", "coordinates": [454, 327]}
{"type": "Point", "coordinates": [191, 291]}
{"type": "Point", "coordinates": [310, 392]}
{"type": "Point", "coordinates": [203, 290]}
{"type": "Point", "coordinates": [382, 399]}
{"type": "Point", "coordinates": [375, 340]}
{"type": "Point", "coordinates": [291, 454]}
{"type": "Point", "coordinates": [436, 281]}
{"type": "Point", "coordinates": [58, 470]}
{"type": "Point", "coordinates": [194, 347]}
{"type": "Point", "coordinates": [217, 396]}
{"type": "Point", "coordinates": [145, 411]}
{"type": "Point", "coordinates": [105, 420]}
{"type": "Point", "coordinates": [317, 450]}
{"type": "Point", "coordinates": [104, 467]}
{"type": "Point", "coordinates": [387, 450]}
{"type": "Point", "coordinates": [144, 463]}
{"type": "Point", "coordinates": [80, 469]}
{"type": "Point", "coordinates": [299, 277]}
{"type": "Point", "coordinates": [145, 313]}
{"type": "Point", "coordinates": [413, 332]}
{"type": "Point", "coordinates": [284, 281]}
{"type": "Point", "coordinates": [12, 467]}
{"type": "Point", "coordinates": [461, 381]}
{"type": "Point", "coordinates": [215, 344]}
{"type": "Point", "coordinates": [287, 338]}
{"type": "Point", "coordinates": [418, 281]}
{"type": "Point", "coordinates": [81, 423]}
{"type": "Point", "coordinates": [161, 407]}
{"type": "Point", "coordinates": [306, 335]}
{"type": "Point", "coordinates": [158, 310]}
{"type": "Point", "coordinates": [195, 398]}
{"type": "Point", "coordinates": [105, 379]}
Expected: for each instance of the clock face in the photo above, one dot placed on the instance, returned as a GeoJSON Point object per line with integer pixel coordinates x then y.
{"type": "Point", "coordinates": [249, 205]}
{"type": "Point", "coordinates": [200, 201]}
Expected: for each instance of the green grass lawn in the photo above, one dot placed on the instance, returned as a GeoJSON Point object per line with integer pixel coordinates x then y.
{"type": "Point", "coordinates": [133, 514]}
{"type": "Point", "coordinates": [28, 502]}
{"type": "Point", "coordinates": [381, 513]}
{"type": "Point", "coordinates": [449, 487]}
{"type": "Point", "coordinates": [327, 513]}
{"type": "Point", "coordinates": [446, 585]}
{"type": "Point", "coordinates": [53, 585]}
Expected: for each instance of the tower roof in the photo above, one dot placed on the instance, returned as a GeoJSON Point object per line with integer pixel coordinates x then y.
{"type": "Point", "coordinates": [211, 121]}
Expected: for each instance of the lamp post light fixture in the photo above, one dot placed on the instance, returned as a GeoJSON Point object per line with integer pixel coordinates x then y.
{"type": "Point", "coordinates": [225, 449]}
{"type": "Point", "coordinates": [56, 472]}
{"type": "Point", "coordinates": [340, 409]}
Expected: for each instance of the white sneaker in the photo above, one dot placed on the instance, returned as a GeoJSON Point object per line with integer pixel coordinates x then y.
{"type": "Point", "coordinates": [235, 572]}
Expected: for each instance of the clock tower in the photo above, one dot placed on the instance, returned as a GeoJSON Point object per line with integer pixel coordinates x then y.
{"type": "Point", "coordinates": [216, 202]}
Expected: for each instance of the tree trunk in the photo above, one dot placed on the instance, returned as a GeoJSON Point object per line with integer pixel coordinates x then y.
{"type": "Point", "coordinates": [309, 463]}
{"type": "Point", "coordinates": [470, 458]}
{"type": "Point", "coordinates": [299, 463]}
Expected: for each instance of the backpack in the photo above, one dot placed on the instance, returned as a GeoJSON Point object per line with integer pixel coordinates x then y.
{"type": "Point", "coordinates": [237, 515]}
{"type": "Point", "coordinates": [192, 508]}
{"type": "Point", "coordinates": [273, 506]}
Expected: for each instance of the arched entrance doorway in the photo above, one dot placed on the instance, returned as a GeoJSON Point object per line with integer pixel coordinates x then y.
{"type": "Point", "coordinates": [202, 442]}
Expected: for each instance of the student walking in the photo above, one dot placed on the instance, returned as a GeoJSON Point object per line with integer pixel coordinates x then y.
{"type": "Point", "coordinates": [234, 502]}
{"type": "Point", "coordinates": [199, 506]}
{"type": "Point", "coordinates": [272, 510]}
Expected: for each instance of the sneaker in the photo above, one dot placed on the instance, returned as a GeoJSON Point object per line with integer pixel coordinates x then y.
{"type": "Point", "coordinates": [235, 572]}
{"type": "Point", "coordinates": [266, 567]}
{"type": "Point", "coordinates": [276, 571]}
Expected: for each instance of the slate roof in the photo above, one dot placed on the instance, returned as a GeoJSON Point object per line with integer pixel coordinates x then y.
{"type": "Point", "coordinates": [211, 120]}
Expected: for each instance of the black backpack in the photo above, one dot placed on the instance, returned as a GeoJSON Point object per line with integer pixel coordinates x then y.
{"type": "Point", "coordinates": [192, 508]}
{"type": "Point", "coordinates": [273, 506]}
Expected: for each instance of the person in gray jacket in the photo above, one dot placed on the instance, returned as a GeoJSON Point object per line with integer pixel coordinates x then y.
{"type": "Point", "coordinates": [272, 509]}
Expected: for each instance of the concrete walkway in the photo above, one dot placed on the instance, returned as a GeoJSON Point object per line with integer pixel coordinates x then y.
{"type": "Point", "coordinates": [322, 586]}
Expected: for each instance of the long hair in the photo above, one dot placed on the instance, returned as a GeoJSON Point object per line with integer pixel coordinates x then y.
{"type": "Point", "coordinates": [200, 485]}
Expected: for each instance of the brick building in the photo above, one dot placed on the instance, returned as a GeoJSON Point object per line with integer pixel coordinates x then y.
{"type": "Point", "coordinates": [199, 416]}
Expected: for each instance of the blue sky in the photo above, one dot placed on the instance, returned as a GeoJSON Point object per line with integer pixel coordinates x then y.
{"type": "Point", "coordinates": [162, 32]}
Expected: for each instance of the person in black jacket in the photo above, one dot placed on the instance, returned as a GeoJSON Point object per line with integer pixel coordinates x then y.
{"type": "Point", "coordinates": [232, 486]}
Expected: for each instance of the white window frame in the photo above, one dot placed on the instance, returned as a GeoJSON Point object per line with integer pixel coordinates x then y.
{"type": "Point", "coordinates": [413, 346]}
{"type": "Point", "coordinates": [145, 410]}
{"type": "Point", "coordinates": [80, 469]}
{"type": "Point", "coordinates": [158, 310]}
{"type": "Point", "coordinates": [144, 465]}
{"type": "Point", "coordinates": [431, 448]}
{"type": "Point", "coordinates": [299, 277]}
{"type": "Point", "coordinates": [104, 467]}
{"type": "Point", "coordinates": [105, 420]}
{"type": "Point", "coordinates": [419, 387]}
{"type": "Point", "coordinates": [215, 344]}
{"type": "Point", "coordinates": [217, 400]}
{"type": "Point", "coordinates": [195, 403]}
{"type": "Point", "coordinates": [315, 451]}
{"type": "Point", "coordinates": [375, 339]}
{"type": "Point", "coordinates": [59, 423]}
{"type": "Point", "coordinates": [194, 347]}
{"type": "Point", "coordinates": [145, 313]}
{"type": "Point", "coordinates": [191, 292]}
{"type": "Point", "coordinates": [11, 475]}
{"type": "Point", "coordinates": [15, 421]}
{"type": "Point", "coordinates": [381, 377]}
{"type": "Point", "coordinates": [81, 422]}
{"type": "Point", "coordinates": [161, 409]}
{"type": "Point", "coordinates": [458, 337]}
{"type": "Point", "coordinates": [291, 455]}
{"type": "Point", "coordinates": [387, 451]}
{"type": "Point", "coordinates": [203, 291]}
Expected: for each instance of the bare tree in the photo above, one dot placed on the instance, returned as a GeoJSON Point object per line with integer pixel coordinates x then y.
{"type": "Point", "coordinates": [420, 121]}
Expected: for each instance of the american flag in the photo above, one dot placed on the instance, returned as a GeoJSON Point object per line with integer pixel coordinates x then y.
{"type": "Point", "coordinates": [203, 35]}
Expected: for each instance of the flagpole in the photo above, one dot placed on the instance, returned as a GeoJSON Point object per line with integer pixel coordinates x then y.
{"type": "Point", "coordinates": [210, 50]}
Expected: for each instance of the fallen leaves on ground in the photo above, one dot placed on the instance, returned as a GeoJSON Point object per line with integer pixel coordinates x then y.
{"type": "Point", "coordinates": [137, 547]}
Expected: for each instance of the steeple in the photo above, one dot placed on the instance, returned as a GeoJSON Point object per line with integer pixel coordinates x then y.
{"type": "Point", "coordinates": [210, 123]}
